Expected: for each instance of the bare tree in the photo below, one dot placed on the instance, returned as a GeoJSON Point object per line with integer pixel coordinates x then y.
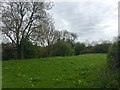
{"type": "Point", "coordinates": [49, 35]}
{"type": "Point", "coordinates": [68, 36]}
{"type": "Point", "coordinates": [21, 19]}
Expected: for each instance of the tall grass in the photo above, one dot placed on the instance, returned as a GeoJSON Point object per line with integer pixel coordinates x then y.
{"type": "Point", "coordinates": [84, 71]}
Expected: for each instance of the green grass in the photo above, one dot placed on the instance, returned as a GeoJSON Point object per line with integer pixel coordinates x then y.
{"type": "Point", "coordinates": [88, 70]}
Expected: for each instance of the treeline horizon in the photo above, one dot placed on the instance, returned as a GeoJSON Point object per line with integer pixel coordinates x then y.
{"type": "Point", "coordinates": [62, 47]}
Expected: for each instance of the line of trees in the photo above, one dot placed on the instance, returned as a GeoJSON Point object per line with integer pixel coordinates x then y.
{"type": "Point", "coordinates": [63, 47]}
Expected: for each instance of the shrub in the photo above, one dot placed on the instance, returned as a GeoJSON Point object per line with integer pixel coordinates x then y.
{"type": "Point", "coordinates": [62, 48]}
{"type": "Point", "coordinates": [79, 48]}
{"type": "Point", "coordinates": [8, 51]}
{"type": "Point", "coordinates": [29, 50]}
{"type": "Point", "coordinates": [114, 55]}
{"type": "Point", "coordinates": [43, 52]}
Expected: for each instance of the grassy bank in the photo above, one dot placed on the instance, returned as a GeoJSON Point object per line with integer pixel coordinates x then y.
{"type": "Point", "coordinates": [88, 70]}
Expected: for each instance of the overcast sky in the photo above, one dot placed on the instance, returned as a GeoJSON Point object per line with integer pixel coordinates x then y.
{"type": "Point", "coordinates": [91, 20]}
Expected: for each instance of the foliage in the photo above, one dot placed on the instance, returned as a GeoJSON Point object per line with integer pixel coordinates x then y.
{"type": "Point", "coordinates": [79, 48]}
{"type": "Point", "coordinates": [43, 52]}
{"type": "Point", "coordinates": [114, 55]}
{"type": "Point", "coordinates": [8, 51]}
{"type": "Point", "coordinates": [62, 48]}
{"type": "Point", "coordinates": [29, 50]}
{"type": "Point", "coordinates": [98, 48]}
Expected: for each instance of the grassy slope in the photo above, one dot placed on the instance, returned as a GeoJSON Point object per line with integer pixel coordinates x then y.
{"type": "Point", "coordinates": [58, 72]}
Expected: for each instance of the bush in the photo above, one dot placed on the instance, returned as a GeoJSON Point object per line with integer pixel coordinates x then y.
{"type": "Point", "coordinates": [43, 52]}
{"type": "Point", "coordinates": [79, 48]}
{"type": "Point", "coordinates": [29, 50]}
{"type": "Point", "coordinates": [114, 55]}
{"type": "Point", "coordinates": [8, 51]}
{"type": "Point", "coordinates": [62, 48]}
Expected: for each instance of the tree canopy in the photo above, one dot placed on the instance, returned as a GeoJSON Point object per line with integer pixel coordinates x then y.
{"type": "Point", "coordinates": [21, 20]}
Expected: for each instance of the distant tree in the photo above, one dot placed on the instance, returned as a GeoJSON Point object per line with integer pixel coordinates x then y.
{"type": "Point", "coordinates": [48, 34]}
{"type": "Point", "coordinates": [79, 48]}
{"type": "Point", "coordinates": [98, 48]}
{"type": "Point", "coordinates": [21, 20]}
{"type": "Point", "coordinates": [101, 48]}
{"type": "Point", "coordinates": [62, 48]}
{"type": "Point", "coordinates": [89, 49]}
{"type": "Point", "coordinates": [68, 36]}
{"type": "Point", "coordinates": [47, 37]}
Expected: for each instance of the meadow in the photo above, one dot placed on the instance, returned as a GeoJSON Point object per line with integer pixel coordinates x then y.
{"type": "Point", "coordinates": [83, 71]}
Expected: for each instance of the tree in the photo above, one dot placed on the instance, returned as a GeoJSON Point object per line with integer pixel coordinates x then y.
{"type": "Point", "coordinates": [20, 20]}
{"type": "Point", "coordinates": [29, 50]}
{"type": "Point", "coordinates": [62, 48]}
{"type": "Point", "coordinates": [79, 48]}
{"type": "Point", "coordinates": [98, 47]}
{"type": "Point", "coordinates": [68, 36]}
{"type": "Point", "coordinates": [48, 35]}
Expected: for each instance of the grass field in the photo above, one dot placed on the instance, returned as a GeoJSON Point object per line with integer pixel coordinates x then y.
{"type": "Point", "coordinates": [84, 71]}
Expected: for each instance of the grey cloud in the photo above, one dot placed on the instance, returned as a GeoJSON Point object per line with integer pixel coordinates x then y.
{"type": "Point", "coordinates": [83, 18]}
